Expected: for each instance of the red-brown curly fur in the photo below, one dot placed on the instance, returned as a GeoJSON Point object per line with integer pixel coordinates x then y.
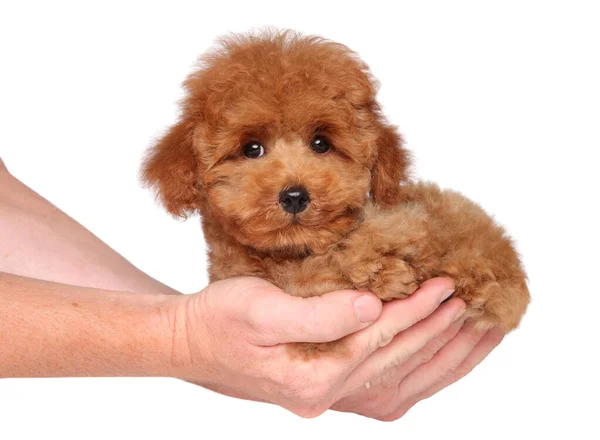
{"type": "Point", "coordinates": [367, 225]}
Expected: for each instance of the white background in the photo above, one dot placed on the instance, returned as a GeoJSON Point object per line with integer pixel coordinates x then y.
{"type": "Point", "coordinates": [499, 101]}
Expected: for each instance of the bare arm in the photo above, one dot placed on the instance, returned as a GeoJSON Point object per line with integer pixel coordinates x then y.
{"type": "Point", "coordinates": [37, 240]}
{"type": "Point", "coordinates": [56, 330]}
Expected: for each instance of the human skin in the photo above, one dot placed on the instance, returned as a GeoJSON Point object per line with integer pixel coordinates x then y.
{"type": "Point", "coordinates": [81, 309]}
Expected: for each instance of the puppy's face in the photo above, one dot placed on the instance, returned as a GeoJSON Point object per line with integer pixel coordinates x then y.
{"type": "Point", "coordinates": [280, 143]}
{"type": "Point", "coordinates": [295, 191]}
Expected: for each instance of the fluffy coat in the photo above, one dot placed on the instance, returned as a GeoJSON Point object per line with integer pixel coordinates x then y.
{"type": "Point", "coordinates": [366, 226]}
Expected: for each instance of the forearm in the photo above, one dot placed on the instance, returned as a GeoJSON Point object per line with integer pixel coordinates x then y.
{"type": "Point", "coordinates": [56, 330]}
{"type": "Point", "coordinates": [37, 240]}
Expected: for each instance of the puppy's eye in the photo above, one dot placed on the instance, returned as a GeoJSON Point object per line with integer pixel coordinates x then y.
{"type": "Point", "coordinates": [253, 150]}
{"type": "Point", "coordinates": [320, 144]}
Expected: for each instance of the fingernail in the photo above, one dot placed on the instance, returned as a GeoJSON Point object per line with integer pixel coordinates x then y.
{"type": "Point", "coordinates": [446, 294]}
{"type": "Point", "coordinates": [459, 314]}
{"type": "Point", "coordinates": [367, 308]}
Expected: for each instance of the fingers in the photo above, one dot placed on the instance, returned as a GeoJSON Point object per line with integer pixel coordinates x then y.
{"type": "Point", "coordinates": [394, 376]}
{"type": "Point", "coordinates": [381, 397]}
{"type": "Point", "coordinates": [483, 348]}
{"type": "Point", "coordinates": [405, 345]}
{"type": "Point", "coordinates": [445, 362]}
{"type": "Point", "coordinates": [281, 318]}
{"type": "Point", "coordinates": [399, 315]}
{"type": "Point", "coordinates": [469, 348]}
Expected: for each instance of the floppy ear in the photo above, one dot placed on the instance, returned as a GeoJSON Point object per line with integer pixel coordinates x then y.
{"type": "Point", "coordinates": [171, 168]}
{"type": "Point", "coordinates": [391, 167]}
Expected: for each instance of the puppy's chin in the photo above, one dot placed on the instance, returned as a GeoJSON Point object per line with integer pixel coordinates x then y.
{"type": "Point", "coordinates": [296, 238]}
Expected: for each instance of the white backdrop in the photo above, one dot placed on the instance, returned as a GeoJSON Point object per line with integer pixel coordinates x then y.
{"type": "Point", "coordinates": [501, 102]}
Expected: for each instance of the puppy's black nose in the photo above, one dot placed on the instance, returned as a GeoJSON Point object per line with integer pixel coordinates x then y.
{"type": "Point", "coordinates": [294, 200]}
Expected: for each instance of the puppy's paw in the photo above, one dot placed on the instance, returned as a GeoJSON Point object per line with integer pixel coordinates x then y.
{"type": "Point", "coordinates": [308, 351]}
{"type": "Point", "coordinates": [494, 303]}
{"type": "Point", "coordinates": [388, 277]}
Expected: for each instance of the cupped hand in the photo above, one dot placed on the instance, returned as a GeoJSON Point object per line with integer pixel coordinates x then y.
{"type": "Point", "coordinates": [446, 359]}
{"type": "Point", "coordinates": [234, 337]}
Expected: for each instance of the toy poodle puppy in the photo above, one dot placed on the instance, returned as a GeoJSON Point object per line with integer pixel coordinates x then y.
{"type": "Point", "coordinates": [299, 179]}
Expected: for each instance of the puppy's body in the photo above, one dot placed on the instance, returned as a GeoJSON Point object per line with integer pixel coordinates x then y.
{"type": "Point", "coordinates": [299, 179]}
{"type": "Point", "coordinates": [390, 252]}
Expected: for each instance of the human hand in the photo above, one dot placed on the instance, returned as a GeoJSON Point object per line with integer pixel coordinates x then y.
{"type": "Point", "coordinates": [234, 337]}
{"type": "Point", "coordinates": [443, 361]}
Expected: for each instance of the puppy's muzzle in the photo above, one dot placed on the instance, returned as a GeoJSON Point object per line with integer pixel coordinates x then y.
{"type": "Point", "coordinates": [294, 200]}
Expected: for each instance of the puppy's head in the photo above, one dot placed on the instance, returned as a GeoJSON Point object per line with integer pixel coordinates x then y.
{"type": "Point", "coordinates": [281, 141]}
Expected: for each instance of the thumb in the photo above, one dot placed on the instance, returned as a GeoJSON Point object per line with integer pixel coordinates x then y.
{"type": "Point", "coordinates": [281, 318]}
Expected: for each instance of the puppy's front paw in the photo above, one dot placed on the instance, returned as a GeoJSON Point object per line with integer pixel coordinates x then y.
{"type": "Point", "coordinates": [308, 351]}
{"type": "Point", "coordinates": [388, 277]}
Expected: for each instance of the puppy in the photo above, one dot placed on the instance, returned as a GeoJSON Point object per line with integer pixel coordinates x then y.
{"type": "Point", "coordinates": [299, 179]}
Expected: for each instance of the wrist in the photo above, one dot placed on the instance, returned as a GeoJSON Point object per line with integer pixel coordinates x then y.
{"type": "Point", "coordinates": [146, 347]}
{"type": "Point", "coordinates": [187, 346]}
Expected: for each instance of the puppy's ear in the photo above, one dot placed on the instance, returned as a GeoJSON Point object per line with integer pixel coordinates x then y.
{"type": "Point", "coordinates": [171, 168]}
{"type": "Point", "coordinates": [391, 167]}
